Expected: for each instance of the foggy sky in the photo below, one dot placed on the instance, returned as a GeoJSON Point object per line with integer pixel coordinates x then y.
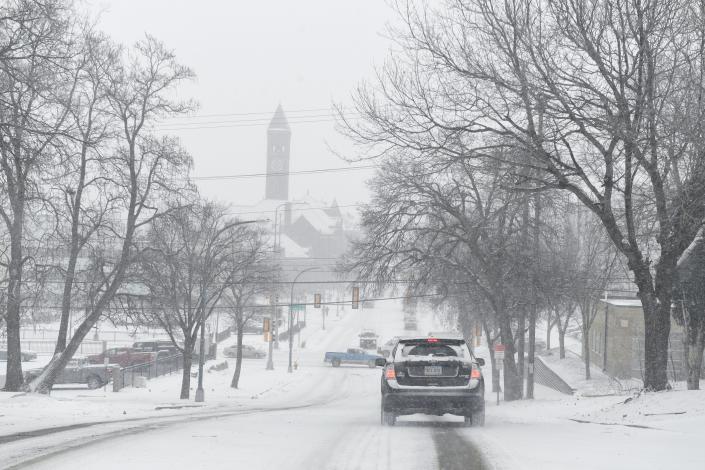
{"type": "Point", "coordinates": [250, 55]}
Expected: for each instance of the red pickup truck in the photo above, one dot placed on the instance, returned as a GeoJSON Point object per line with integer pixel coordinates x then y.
{"type": "Point", "coordinates": [123, 356]}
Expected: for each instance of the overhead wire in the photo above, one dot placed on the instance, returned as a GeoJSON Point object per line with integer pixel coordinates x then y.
{"type": "Point", "coordinates": [284, 173]}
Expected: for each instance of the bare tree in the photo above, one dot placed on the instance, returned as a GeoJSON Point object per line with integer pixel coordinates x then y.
{"type": "Point", "coordinates": [430, 216]}
{"type": "Point", "coordinates": [145, 171]}
{"type": "Point", "coordinates": [603, 98]}
{"type": "Point", "coordinates": [253, 276]}
{"type": "Point", "coordinates": [37, 85]}
{"type": "Point", "coordinates": [690, 308]}
{"type": "Point", "coordinates": [186, 268]}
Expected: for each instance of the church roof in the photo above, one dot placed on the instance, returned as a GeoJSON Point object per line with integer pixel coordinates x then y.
{"type": "Point", "coordinates": [279, 122]}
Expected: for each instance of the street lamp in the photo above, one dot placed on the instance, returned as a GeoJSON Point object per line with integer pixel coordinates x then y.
{"type": "Point", "coordinates": [291, 312]}
{"type": "Point", "coordinates": [277, 245]}
{"type": "Point", "coordinates": [276, 220]}
{"type": "Point", "coordinates": [200, 395]}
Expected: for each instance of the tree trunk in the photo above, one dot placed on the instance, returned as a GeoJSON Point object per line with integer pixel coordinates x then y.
{"type": "Point", "coordinates": [521, 348]}
{"type": "Point", "coordinates": [512, 381]}
{"type": "Point", "coordinates": [657, 327]}
{"type": "Point", "coordinates": [186, 373]}
{"type": "Point", "coordinates": [66, 301]}
{"type": "Point", "coordinates": [490, 348]}
{"type": "Point", "coordinates": [549, 327]}
{"type": "Point", "coordinates": [238, 361]}
{"type": "Point", "coordinates": [561, 342]}
{"type": "Point", "coordinates": [13, 377]}
{"type": "Point", "coordinates": [694, 356]}
{"type": "Point", "coordinates": [586, 353]}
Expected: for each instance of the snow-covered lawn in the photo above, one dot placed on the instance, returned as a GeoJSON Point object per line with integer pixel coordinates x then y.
{"type": "Point", "coordinates": [572, 370]}
{"type": "Point", "coordinates": [650, 431]}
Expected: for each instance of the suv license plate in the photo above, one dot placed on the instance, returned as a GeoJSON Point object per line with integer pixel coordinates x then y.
{"type": "Point", "coordinates": [432, 370]}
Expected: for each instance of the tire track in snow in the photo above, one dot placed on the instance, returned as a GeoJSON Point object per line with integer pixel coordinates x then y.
{"type": "Point", "coordinates": [134, 425]}
{"type": "Point", "coordinates": [456, 453]}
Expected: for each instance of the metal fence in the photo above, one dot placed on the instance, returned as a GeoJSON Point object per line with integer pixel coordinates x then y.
{"type": "Point", "coordinates": [127, 376]}
{"type": "Point", "coordinates": [46, 346]}
{"type": "Point", "coordinates": [545, 376]}
{"type": "Point", "coordinates": [284, 335]}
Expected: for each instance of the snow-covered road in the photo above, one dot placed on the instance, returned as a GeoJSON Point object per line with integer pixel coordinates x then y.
{"type": "Point", "coordinates": [321, 417]}
{"type": "Point", "coordinates": [336, 428]}
{"type": "Point", "coordinates": [329, 420]}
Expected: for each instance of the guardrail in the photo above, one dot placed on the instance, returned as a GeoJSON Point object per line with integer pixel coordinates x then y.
{"type": "Point", "coordinates": [127, 376]}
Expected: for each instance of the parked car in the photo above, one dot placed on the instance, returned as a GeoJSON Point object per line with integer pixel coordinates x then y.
{"type": "Point", "coordinates": [26, 355]}
{"type": "Point", "coordinates": [124, 356]}
{"type": "Point", "coordinates": [368, 339]}
{"type": "Point", "coordinates": [434, 375]}
{"type": "Point", "coordinates": [352, 356]}
{"type": "Point", "coordinates": [410, 322]}
{"type": "Point", "coordinates": [78, 371]}
{"type": "Point", "coordinates": [155, 346]}
{"type": "Point", "coordinates": [248, 352]}
{"type": "Point", "coordinates": [387, 348]}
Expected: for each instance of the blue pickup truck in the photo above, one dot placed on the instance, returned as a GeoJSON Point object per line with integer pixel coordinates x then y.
{"type": "Point", "coordinates": [352, 356]}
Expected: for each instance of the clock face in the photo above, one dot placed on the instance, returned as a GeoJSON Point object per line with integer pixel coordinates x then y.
{"type": "Point", "coordinates": [278, 164]}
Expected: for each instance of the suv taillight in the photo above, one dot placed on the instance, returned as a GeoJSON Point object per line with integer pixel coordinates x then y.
{"type": "Point", "coordinates": [389, 373]}
{"type": "Point", "coordinates": [475, 374]}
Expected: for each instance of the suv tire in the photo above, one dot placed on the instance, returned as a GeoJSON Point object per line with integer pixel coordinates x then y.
{"type": "Point", "coordinates": [387, 418]}
{"type": "Point", "coordinates": [476, 419]}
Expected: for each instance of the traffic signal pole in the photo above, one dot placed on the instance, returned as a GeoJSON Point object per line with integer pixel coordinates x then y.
{"type": "Point", "coordinates": [291, 320]}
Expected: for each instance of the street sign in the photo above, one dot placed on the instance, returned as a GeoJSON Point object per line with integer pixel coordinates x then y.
{"type": "Point", "coordinates": [298, 307]}
{"type": "Point", "coordinates": [499, 356]}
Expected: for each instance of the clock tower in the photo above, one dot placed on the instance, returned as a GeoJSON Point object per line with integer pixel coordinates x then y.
{"type": "Point", "coordinates": [278, 142]}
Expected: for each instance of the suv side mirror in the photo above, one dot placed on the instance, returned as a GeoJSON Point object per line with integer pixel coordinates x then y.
{"type": "Point", "coordinates": [480, 361]}
{"type": "Point", "coordinates": [380, 362]}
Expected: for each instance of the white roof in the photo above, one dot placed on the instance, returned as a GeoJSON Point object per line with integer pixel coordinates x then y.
{"type": "Point", "coordinates": [291, 248]}
{"type": "Point", "coordinates": [321, 221]}
{"type": "Point", "coordinates": [623, 302]}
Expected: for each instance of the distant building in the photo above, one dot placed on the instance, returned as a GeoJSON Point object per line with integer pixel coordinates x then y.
{"type": "Point", "coordinates": [278, 154]}
{"type": "Point", "coordinates": [617, 341]}
{"type": "Point", "coordinates": [306, 231]}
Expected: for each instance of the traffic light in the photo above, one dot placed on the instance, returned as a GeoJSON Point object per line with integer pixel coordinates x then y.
{"type": "Point", "coordinates": [356, 297]}
{"type": "Point", "coordinates": [316, 300]}
{"type": "Point", "coordinates": [267, 329]}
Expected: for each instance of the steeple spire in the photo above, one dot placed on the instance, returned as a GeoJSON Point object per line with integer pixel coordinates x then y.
{"type": "Point", "coordinates": [279, 122]}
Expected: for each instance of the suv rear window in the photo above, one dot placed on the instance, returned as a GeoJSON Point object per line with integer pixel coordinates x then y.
{"type": "Point", "coordinates": [405, 350]}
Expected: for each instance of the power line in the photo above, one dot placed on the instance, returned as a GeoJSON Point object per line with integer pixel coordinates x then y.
{"type": "Point", "coordinates": [253, 113]}
{"type": "Point", "coordinates": [298, 208]}
{"type": "Point", "coordinates": [259, 120]}
{"type": "Point", "coordinates": [341, 302]}
{"type": "Point", "coordinates": [228, 126]}
{"type": "Point", "coordinates": [284, 173]}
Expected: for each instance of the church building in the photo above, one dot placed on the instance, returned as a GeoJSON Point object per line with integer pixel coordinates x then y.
{"type": "Point", "coordinates": [303, 228]}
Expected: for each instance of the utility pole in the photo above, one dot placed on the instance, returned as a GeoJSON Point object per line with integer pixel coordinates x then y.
{"type": "Point", "coordinates": [270, 361]}
{"type": "Point", "coordinates": [537, 263]}
{"type": "Point", "coordinates": [535, 303]}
